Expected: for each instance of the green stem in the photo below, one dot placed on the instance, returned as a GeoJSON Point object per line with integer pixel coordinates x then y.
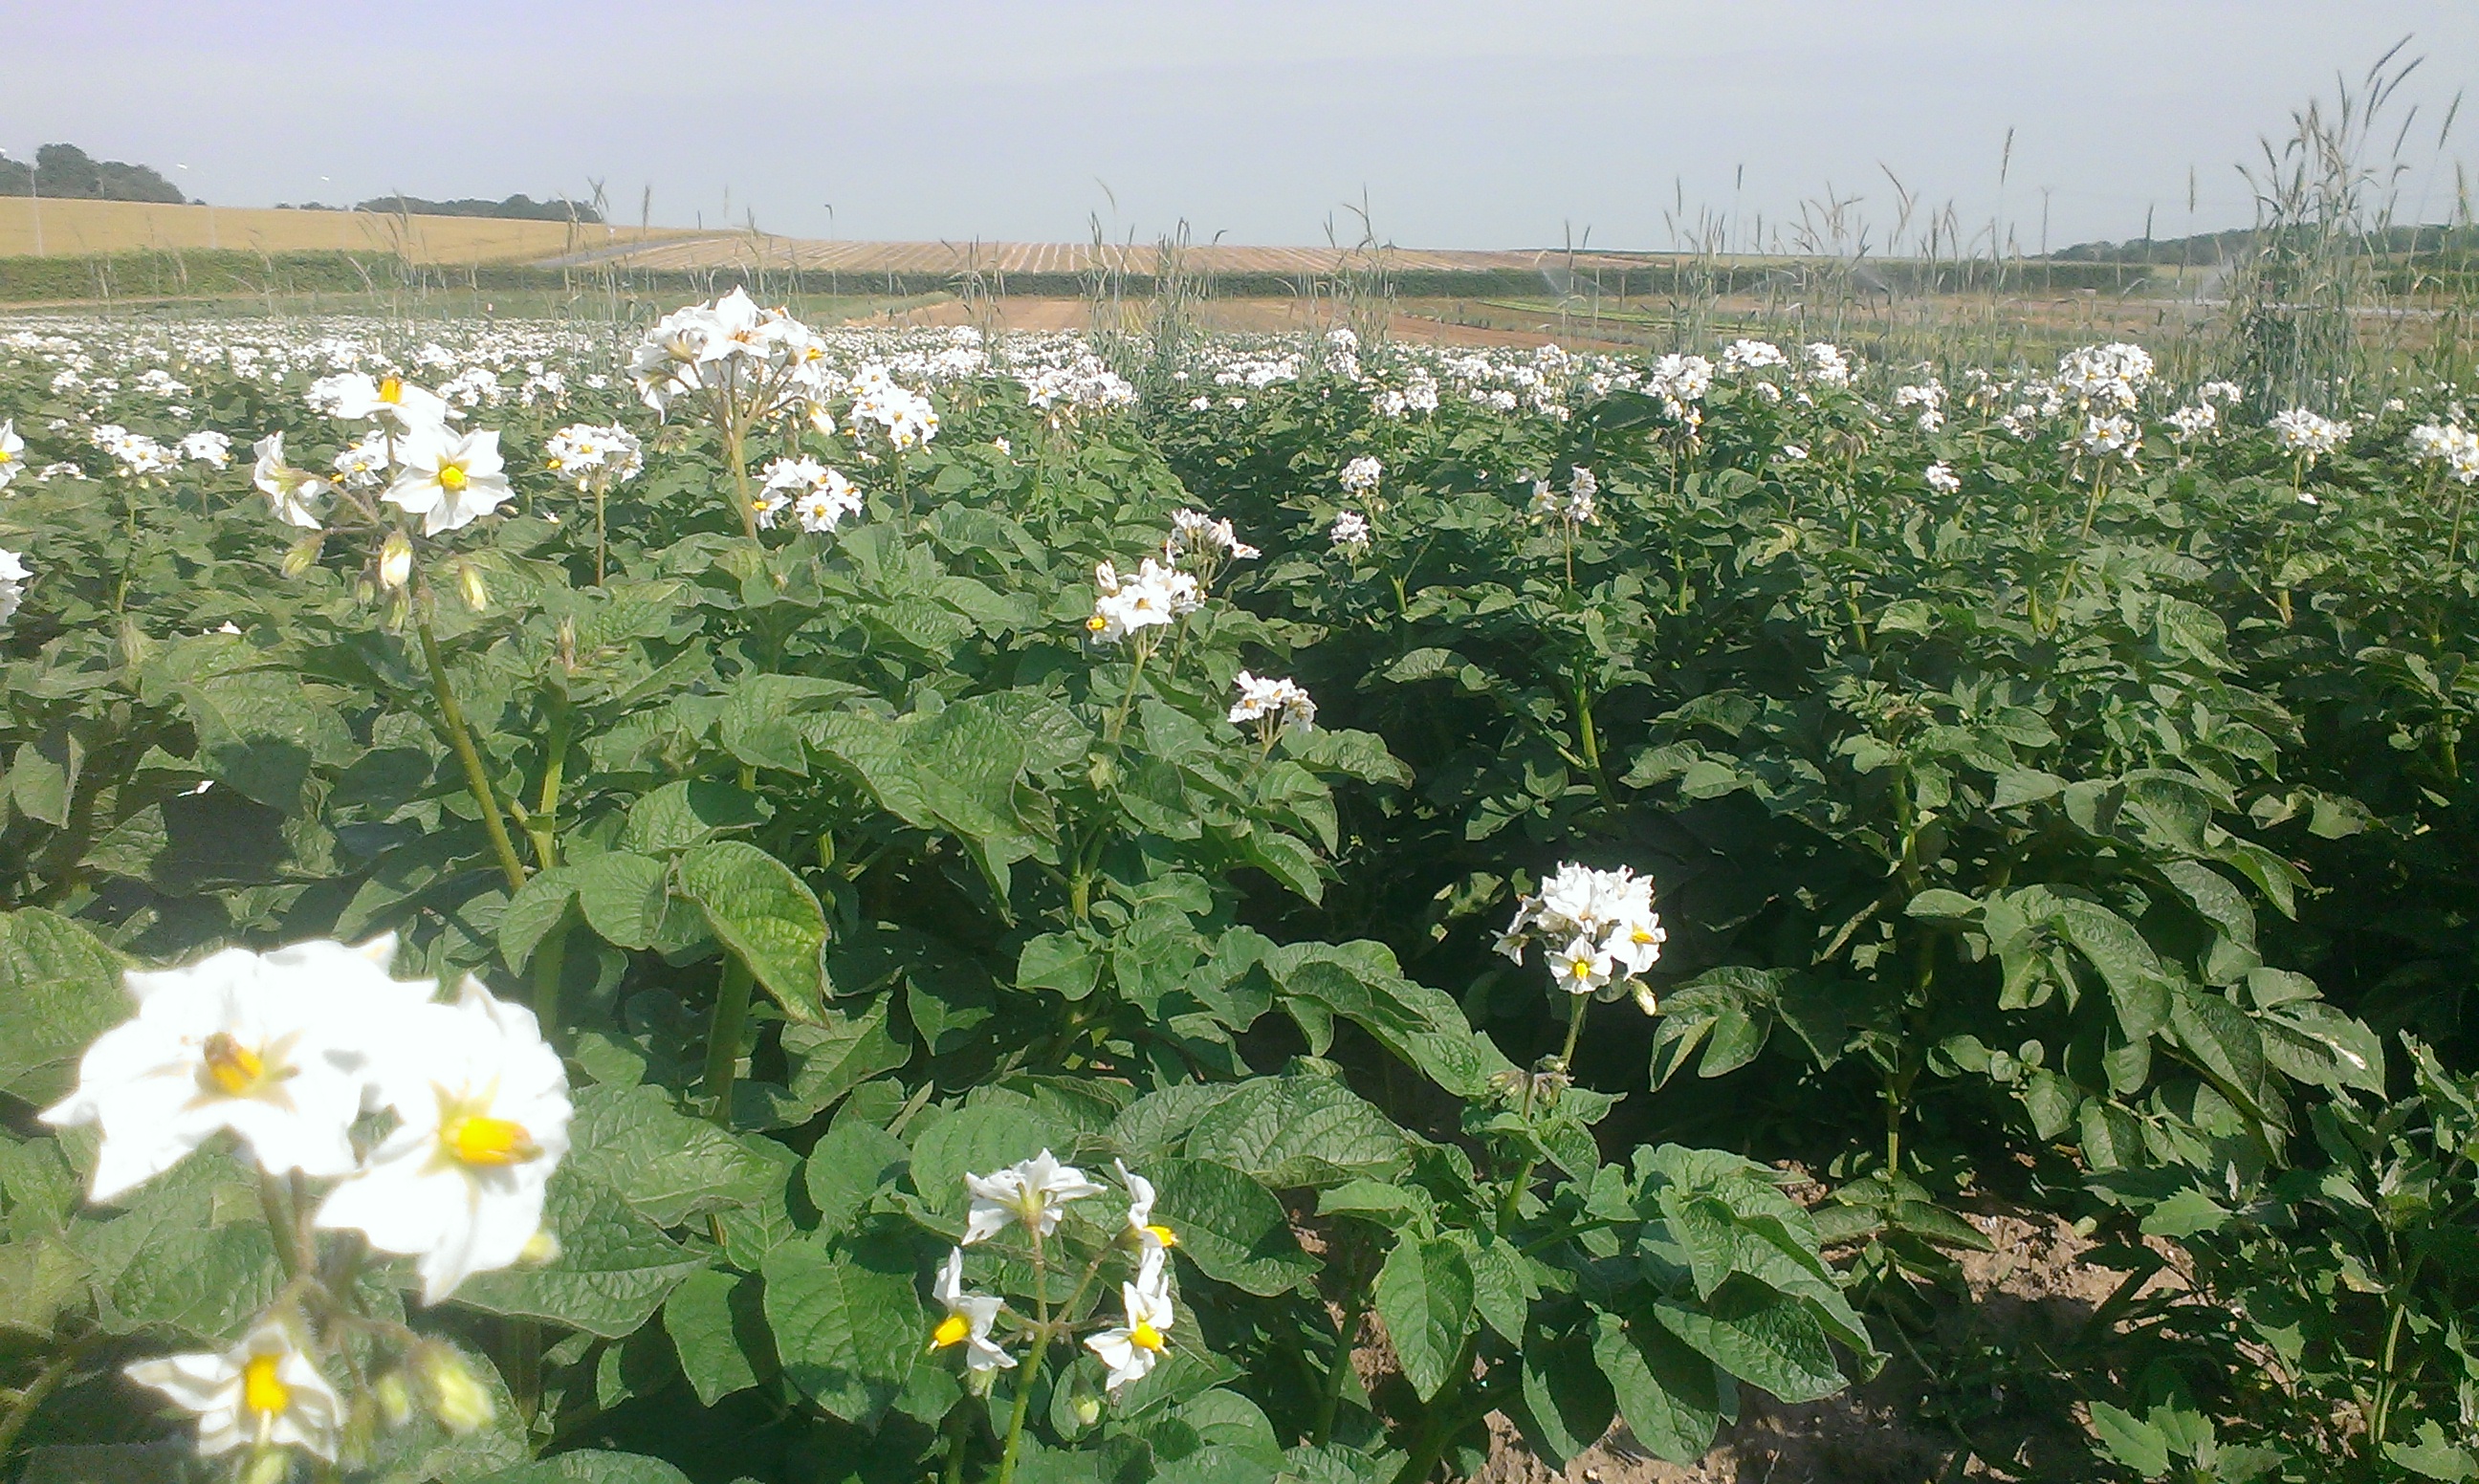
{"type": "Point", "coordinates": [960, 1428]}
{"type": "Point", "coordinates": [539, 826]}
{"type": "Point", "coordinates": [1031, 1370]}
{"type": "Point", "coordinates": [1589, 738]}
{"type": "Point", "coordinates": [273, 1205]}
{"type": "Point", "coordinates": [1435, 1432]}
{"type": "Point", "coordinates": [600, 548]}
{"type": "Point", "coordinates": [722, 1037]}
{"type": "Point", "coordinates": [1510, 1204]}
{"type": "Point", "coordinates": [735, 442]}
{"type": "Point", "coordinates": [1119, 717]}
{"type": "Point", "coordinates": [477, 782]}
{"type": "Point", "coordinates": [1355, 1306]}
{"type": "Point", "coordinates": [524, 1349]}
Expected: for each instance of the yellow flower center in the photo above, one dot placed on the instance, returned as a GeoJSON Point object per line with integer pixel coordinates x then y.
{"type": "Point", "coordinates": [1581, 968]}
{"type": "Point", "coordinates": [1640, 936]}
{"type": "Point", "coordinates": [262, 1390]}
{"type": "Point", "coordinates": [488, 1140]}
{"type": "Point", "coordinates": [1145, 1337]}
{"type": "Point", "coordinates": [951, 1330]}
{"type": "Point", "coordinates": [1164, 1235]}
{"type": "Point", "coordinates": [231, 1067]}
{"type": "Point", "coordinates": [453, 477]}
{"type": "Point", "coordinates": [6, 455]}
{"type": "Point", "coordinates": [391, 389]}
{"type": "Point", "coordinates": [1097, 622]}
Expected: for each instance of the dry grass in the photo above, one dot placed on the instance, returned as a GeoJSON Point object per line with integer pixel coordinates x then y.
{"type": "Point", "coordinates": [78, 228]}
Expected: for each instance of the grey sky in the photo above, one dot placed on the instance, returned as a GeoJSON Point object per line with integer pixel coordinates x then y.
{"type": "Point", "coordinates": [1468, 124]}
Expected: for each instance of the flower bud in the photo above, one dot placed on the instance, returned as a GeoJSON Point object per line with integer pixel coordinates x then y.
{"type": "Point", "coordinates": [395, 1399]}
{"type": "Point", "coordinates": [1088, 1408]}
{"type": "Point", "coordinates": [469, 579]}
{"type": "Point", "coordinates": [396, 560]}
{"type": "Point", "coordinates": [456, 1398]}
{"type": "Point", "coordinates": [303, 553]}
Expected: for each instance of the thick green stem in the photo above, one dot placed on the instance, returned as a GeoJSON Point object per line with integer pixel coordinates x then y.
{"type": "Point", "coordinates": [1438, 1421]}
{"type": "Point", "coordinates": [523, 1366]}
{"type": "Point", "coordinates": [1589, 738]}
{"type": "Point", "coordinates": [541, 825]}
{"type": "Point", "coordinates": [735, 439]}
{"type": "Point", "coordinates": [1510, 1204]}
{"type": "Point", "coordinates": [722, 1037]}
{"type": "Point", "coordinates": [477, 782]}
{"type": "Point", "coordinates": [1119, 717]}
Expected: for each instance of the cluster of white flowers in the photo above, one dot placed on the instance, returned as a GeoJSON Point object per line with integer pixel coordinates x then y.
{"type": "Point", "coordinates": [1272, 706]}
{"type": "Point", "coordinates": [1033, 1194]}
{"type": "Point", "coordinates": [1362, 474]}
{"type": "Point", "coordinates": [1929, 397]}
{"type": "Point", "coordinates": [2455, 446]}
{"type": "Point", "coordinates": [1419, 395]}
{"type": "Point", "coordinates": [284, 1051]}
{"type": "Point", "coordinates": [1751, 355]}
{"type": "Point", "coordinates": [760, 360]}
{"type": "Point", "coordinates": [1827, 365]}
{"type": "Point", "coordinates": [136, 452]}
{"type": "Point", "coordinates": [1081, 385]}
{"type": "Point", "coordinates": [14, 575]}
{"type": "Point", "coordinates": [1349, 533]}
{"type": "Point", "coordinates": [1680, 382]}
{"type": "Point", "coordinates": [1942, 478]}
{"type": "Point", "coordinates": [2109, 379]}
{"type": "Point", "coordinates": [1152, 597]}
{"type": "Point", "coordinates": [1576, 504]}
{"type": "Point", "coordinates": [448, 475]}
{"type": "Point", "coordinates": [1201, 544]}
{"type": "Point", "coordinates": [593, 455]}
{"type": "Point", "coordinates": [1600, 929]}
{"type": "Point", "coordinates": [2307, 434]}
{"type": "Point", "coordinates": [2197, 420]}
{"type": "Point", "coordinates": [821, 498]}
{"type": "Point", "coordinates": [2102, 437]}
{"type": "Point", "coordinates": [2220, 393]}
{"type": "Point", "coordinates": [880, 402]}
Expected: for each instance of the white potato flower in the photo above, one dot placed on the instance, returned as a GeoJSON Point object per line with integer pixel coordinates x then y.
{"type": "Point", "coordinates": [1606, 934]}
{"type": "Point", "coordinates": [1145, 1233]}
{"type": "Point", "coordinates": [1033, 1194]}
{"type": "Point", "coordinates": [450, 479]}
{"type": "Point", "coordinates": [1149, 597]}
{"type": "Point", "coordinates": [12, 450]}
{"type": "Point", "coordinates": [288, 489]}
{"type": "Point", "coordinates": [483, 1111]}
{"type": "Point", "coordinates": [1132, 1349]}
{"type": "Point", "coordinates": [969, 1318]}
{"type": "Point", "coordinates": [1272, 706]}
{"type": "Point", "coordinates": [13, 576]}
{"type": "Point", "coordinates": [1941, 478]}
{"type": "Point", "coordinates": [396, 405]}
{"type": "Point", "coordinates": [1362, 474]}
{"type": "Point", "coordinates": [1349, 533]}
{"type": "Point", "coordinates": [262, 1393]}
{"type": "Point", "coordinates": [275, 1048]}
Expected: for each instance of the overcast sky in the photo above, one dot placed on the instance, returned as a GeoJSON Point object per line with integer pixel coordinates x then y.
{"type": "Point", "coordinates": [1488, 124]}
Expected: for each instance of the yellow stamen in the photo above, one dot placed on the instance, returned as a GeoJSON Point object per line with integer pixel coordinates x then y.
{"type": "Point", "coordinates": [1097, 622]}
{"type": "Point", "coordinates": [951, 1330]}
{"type": "Point", "coordinates": [451, 477]}
{"type": "Point", "coordinates": [488, 1140]}
{"type": "Point", "coordinates": [391, 389]}
{"type": "Point", "coordinates": [1145, 1337]}
{"type": "Point", "coordinates": [262, 1390]}
{"type": "Point", "coordinates": [1164, 1235]}
{"type": "Point", "coordinates": [1583, 968]}
{"type": "Point", "coordinates": [231, 1066]}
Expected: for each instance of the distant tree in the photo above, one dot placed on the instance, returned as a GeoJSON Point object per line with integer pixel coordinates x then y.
{"type": "Point", "coordinates": [517, 208]}
{"type": "Point", "coordinates": [70, 173]}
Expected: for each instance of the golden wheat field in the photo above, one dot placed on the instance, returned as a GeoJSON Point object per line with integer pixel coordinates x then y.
{"type": "Point", "coordinates": [83, 227]}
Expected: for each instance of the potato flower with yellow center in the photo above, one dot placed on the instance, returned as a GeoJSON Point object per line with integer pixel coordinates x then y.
{"type": "Point", "coordinates": [262, 1393]}
{"type": "Point", "coordinates": [1132, 1349]}
{"type": "Point", "coordinates": [969, 1317]}
{"type": "Point", "coordinates": [483, 1110]}
{"type": "Point", "coordinates": [272, 1047]}
{"type": "Point", "coordinates": [449, 478]}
